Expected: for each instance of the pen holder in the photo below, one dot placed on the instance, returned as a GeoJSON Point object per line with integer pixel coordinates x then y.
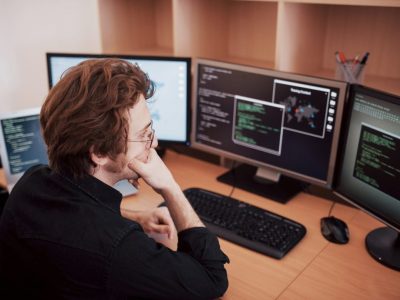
{"type": "Point", "coordinates": [350, 72]}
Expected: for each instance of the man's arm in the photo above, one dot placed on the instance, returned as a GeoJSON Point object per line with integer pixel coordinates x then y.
{"type": "Point", "coordinates": [155, 173]}
{"type": "Point", "coordinates": [153, 221]}
{"type": "Point", "coordinates": [156, 223]}
{"type": "Point", "coordinates": [195, 271]}
{"type": "Point", "coordinates": [141, 268]}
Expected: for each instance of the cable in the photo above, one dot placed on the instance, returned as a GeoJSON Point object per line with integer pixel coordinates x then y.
{"type": "Point", "coordinates": [332, 205]}
{"type": "Point", "coordinates": [307, 189]}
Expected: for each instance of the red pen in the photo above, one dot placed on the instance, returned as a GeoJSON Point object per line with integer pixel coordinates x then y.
{"type": "Point", "coordinates": [342, 57]}
{"type": "Point", "coordinates": [346, 69]}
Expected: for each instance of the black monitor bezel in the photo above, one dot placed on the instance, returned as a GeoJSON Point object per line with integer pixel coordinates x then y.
{"type": "Point", "coordinates": [290, 76]}
{"type": "Point", "coordinates": [187, 60]}
{"type": "Point", "coordinates": [357, 88]}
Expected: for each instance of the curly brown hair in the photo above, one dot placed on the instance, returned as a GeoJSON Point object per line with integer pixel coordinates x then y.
{"type": "Point", "coordinates": [87, 111]}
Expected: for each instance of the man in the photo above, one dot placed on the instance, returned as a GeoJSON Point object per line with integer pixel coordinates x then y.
{"type": "Point", "coordinates": [62, 235]}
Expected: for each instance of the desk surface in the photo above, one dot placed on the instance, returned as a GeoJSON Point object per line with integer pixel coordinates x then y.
{"type": "Point", "coordinates": [314, 269]}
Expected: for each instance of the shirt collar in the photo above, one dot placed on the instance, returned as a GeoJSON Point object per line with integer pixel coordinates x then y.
{"type": "Point", "coordinates": [97, 190]}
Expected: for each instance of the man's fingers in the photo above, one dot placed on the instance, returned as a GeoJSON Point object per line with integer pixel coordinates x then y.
{"type": "Point", "coordinates": [134, 182]}
{"type": "Point", "coordinates": [138, 165]}
{"type": "Point", "coordinates": [165, 218]}
{"type": "Point", "coordinates": [134, 164]}
{"type": "Point", "coordinates": [166, 229]}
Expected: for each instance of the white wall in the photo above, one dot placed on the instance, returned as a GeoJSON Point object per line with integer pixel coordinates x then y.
{"type": "Point", "coordinates": [29, 29]}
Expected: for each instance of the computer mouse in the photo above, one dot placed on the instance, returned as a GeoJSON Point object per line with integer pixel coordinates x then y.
{"type": "Point", "coordinates": [334, 230]}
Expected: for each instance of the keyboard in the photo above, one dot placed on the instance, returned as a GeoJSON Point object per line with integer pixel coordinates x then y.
{"type": "Point", "coordinates": [244, 224]}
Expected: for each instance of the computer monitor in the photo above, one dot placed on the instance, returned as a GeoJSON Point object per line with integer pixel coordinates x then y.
{"type": "Point", "coordinates": [369, 167]}
{"type": "Point", "coordinates": [279, 122]}
{"type": "Point", "coordinates": [22, 146]}
{"type": "Point", "coordinates": [170, 105]}
{"type": "Point", "coordinates": [21, 143]}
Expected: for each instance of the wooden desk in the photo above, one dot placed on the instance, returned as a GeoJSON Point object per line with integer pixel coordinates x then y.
{"type": "Point", "coordinates": [314, 269]}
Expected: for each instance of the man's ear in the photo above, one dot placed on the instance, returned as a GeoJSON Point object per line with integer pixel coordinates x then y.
{"type": "Point", "coordinates": [98, 159]}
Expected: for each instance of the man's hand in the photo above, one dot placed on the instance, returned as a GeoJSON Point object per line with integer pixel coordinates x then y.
{"type": "Point", "coordinates": [157, 220]}
{"type": "Point", "coordinates": [154, 172]}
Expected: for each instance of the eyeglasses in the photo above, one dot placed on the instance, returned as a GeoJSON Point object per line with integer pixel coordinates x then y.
{"type": "Point", "coordinates": [149, 137]}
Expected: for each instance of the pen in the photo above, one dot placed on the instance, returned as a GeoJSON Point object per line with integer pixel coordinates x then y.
{"type": "Point", "coordinates": [365, 58]}
{"type": "Point", "coordinates": [361, 64]}
{"type": "Point", "coordinates": [341, 59]}
{"type": "Point", "coordinates": [355, 62]}
{"type": "Point", "coordinates": [338, 60]}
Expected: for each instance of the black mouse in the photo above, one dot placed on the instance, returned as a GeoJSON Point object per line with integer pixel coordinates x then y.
{"type": "Point", "coordinates": [334, 230]}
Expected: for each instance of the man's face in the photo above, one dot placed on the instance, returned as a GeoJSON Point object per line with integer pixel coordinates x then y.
{"type": "Point", "coordinates": [139, 144]}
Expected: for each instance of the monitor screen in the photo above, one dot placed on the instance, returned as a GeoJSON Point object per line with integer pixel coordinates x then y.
{"type": "Point", "coordinates": [369, 172]}
{"type": "Point", "coordinates": [170, 105]}
{"type": "Point", "coordinates": [285, 122]}
{"type": "Point", "coordinates": [21, 142]}
{"type": "Point", "coordinates": [369, 167]}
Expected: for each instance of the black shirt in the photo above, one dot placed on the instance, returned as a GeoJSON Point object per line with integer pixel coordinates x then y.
{"type": "Point", "coordinates": [64, 238]}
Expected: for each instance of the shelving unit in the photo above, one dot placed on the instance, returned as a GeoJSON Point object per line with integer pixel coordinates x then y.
{"type": "Point", "coordinates": [136, 26]}
{"type": "Point", "coordinates": [320, 30]}
{"type": "Point", "coordinates": [233, 31]}
{"type": "Point", "coordinates": [296, 36]}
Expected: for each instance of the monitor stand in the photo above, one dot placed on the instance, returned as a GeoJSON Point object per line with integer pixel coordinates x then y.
{"type": "Point", "coordinates": [263, 182]}
{"type": "Point", "coordinates": [161, 151]}
{"type": "Point", "coordinates": [383, 244]}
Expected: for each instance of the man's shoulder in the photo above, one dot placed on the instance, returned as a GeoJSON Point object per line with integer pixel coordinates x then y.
{"type": "Point", "coordinates": [35, 171]}
{"type": "Point", "coordinates": [33, 178]}
{"type": "Point", "coordinates": [48, 207]}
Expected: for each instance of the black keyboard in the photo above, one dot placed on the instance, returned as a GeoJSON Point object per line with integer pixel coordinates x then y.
{"type": "Point", "coordinates": [245, 224]}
